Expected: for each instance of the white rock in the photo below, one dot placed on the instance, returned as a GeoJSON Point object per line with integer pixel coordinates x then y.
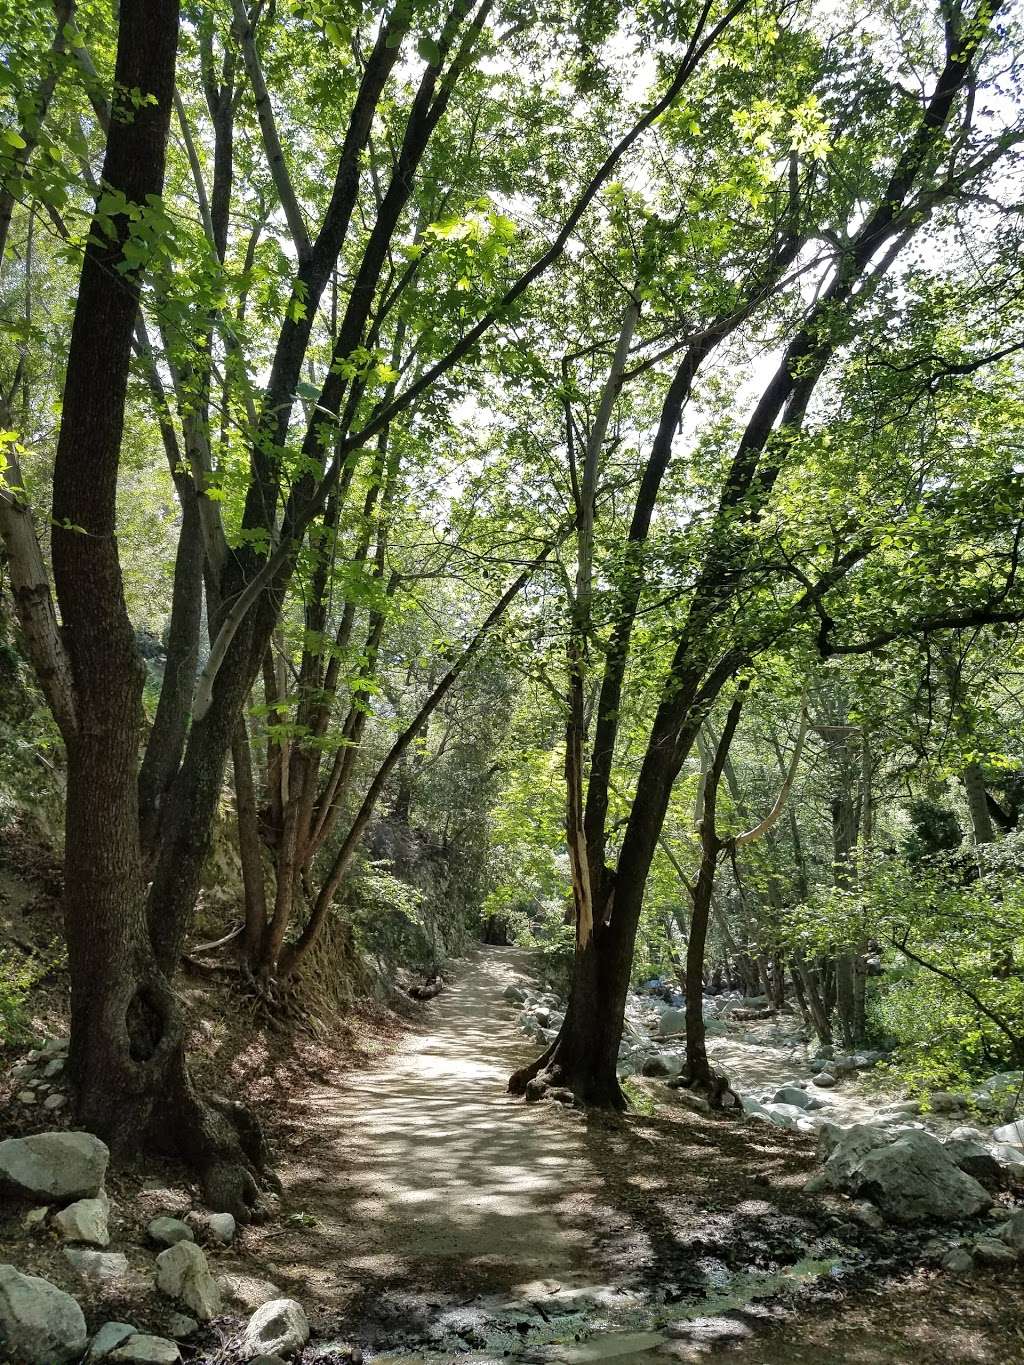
{"type": "Point", "coordinates": [1008, 1154]}
{"type": "Point", "coordinates": [278, 1328]}
{"type": "Point", "coordinates": [1010, 1132]}
{"type": "Point", "coordinates": [54, 1102]}
{"type": "Point", "coordinates": [98, 1267]}
{"type": "Point", "coordinates": [86, 1221]}
{"type": "Point", "coordinates": [39, 1323]}
{"type": "Point", "coordinates": [143, 1349]}
{"type": "Point", "coordinates": [35, 1218]}
{"type": "Point", "coordinates": [182, 1273]}
{"type": "Point", "coordinates": [55, 1165]}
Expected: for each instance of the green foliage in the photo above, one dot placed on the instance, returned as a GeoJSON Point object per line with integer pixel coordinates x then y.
{"type": "Point", "coordinates": [19, 974]}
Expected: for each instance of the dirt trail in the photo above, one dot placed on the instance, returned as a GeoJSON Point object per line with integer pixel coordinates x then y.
{"type": "Point", "coordinates": [437, 1176]}
{"type": "Point", "coordinates": [433, 1217]}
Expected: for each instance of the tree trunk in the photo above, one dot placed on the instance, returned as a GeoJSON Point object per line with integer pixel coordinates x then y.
{"type": "Point", "coordinates": [977, 803]}
{"type": "Point", "coordinates": [127, 1059]}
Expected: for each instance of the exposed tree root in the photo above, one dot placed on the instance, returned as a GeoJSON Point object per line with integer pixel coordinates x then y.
{"type": "Point", "coordinates": [708, 1084]}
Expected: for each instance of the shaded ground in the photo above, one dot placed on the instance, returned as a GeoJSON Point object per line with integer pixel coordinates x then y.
{"type": "Point", "coordinates": [443, 1217]}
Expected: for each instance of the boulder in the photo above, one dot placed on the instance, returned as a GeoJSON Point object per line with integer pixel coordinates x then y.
{"type": "Point", "coordinates": [1012, 1133]}
{"type": "Point", "coordinates": [967, 1134]}
{"type": "Point", "coordinates": [39, 1323]}
{"type": "Point", "coordinates": [793, 1094]}
{"type": "Point", "coordinates": [1012, 1231]}
{"type": "Point", "coordinates": [993, 1251]}
{"type": "Point", "coordinates": [182, 1273]}
{"type": "Point", "coordinates": [60, 1166]}
{"type": "Point", "coordinates": [280, 1327]}
{"type": "Point", "coordinates": [998, 1094]}
{"type": "Point", "coordinates": [108, 1338]}
{"type": "Point", "coordinates": [915, 1178]}
{"type": "Point", "coordinates": [848, 1149]}
{"type": "Point", "coordinates": [168, 1232]}
{"type": "Point", "coordinates": [662, 1064]}
{"type": "Point", "coordinates": [976, 1159]}
{"type": "Point", "coordinates": [825, 1080]}
{"type": "Point", "coordinates": [515, 995]}
{"type": "Point", "coordinates": [672, 1021]}
{"type": "Point", "coordinates": [944, 1102]}
{"type": "Point", "coordinates": [142, 1349]}
{"type": "Point", "coordinates": [98, 1267]}
{"type": "Point", "coordinates": [85, 1221]}
{"type": "Point", "coordinates": [1010, 1158]}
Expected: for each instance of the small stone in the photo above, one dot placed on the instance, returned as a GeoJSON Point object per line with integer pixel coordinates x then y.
{"type": "Point", "coordinates": [143, 1349]}
{"type": "Point", "coordinates": [824, 1080]}
{"type": "Point", "coordinates": [278, 1328]}
{"type": "Point", "coordinates": [27, 1096]}
{"type": "Point", "coordinates": [54, 1067]}
{"type": "Point", "coordinates": [182, 1273]}
{"type": "Point", "coordinates": [39, 1323]}
{"type": "Point", "coordinates": [168, 1232]}
{"type": "Point", "coordinates": [98, 1267]}
{"type": "Point", "coordinates": [85, 1221]}
{"type": "Point", "coordinates": [35, 1218]}
{"type": "Point", "coordinates": [222, 1228]}
{"type": "Point", "coordinates": [54, 1102]}
{"type": "Point", "coordinates": [268, 1360]}
{"type": "Point", "coordinates": [180, 1326]}
{"type": "Point", "coordinates": [959, 1260]}
{"type": "Point", "coordinates": [54, 1045]}
{"type": "Point", "coordinates": [108, 1338]}
{"type": "Point", "coordinates": [535, 1090]}
{"type": "Point", "coordinates": [869, 1216]}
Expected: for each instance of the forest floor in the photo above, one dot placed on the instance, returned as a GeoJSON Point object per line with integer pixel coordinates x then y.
{"type": "Point", "coordinates": [437, 1218]}
{"type": "Point", "coordinates": [430, 1217]}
